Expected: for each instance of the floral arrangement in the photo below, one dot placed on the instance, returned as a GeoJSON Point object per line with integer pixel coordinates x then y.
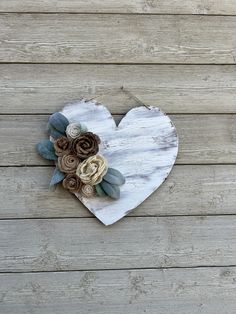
{"type": "Point", "coordinates": [78, 165]}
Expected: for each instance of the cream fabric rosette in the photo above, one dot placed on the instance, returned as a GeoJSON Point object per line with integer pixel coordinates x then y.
{"type": "Point", "coordinates": [74, 130]}
{"type": "Point", "coordinates": [92, 170]}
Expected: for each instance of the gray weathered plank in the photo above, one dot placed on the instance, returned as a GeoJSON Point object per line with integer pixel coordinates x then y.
{"type": "Point", "coordinates": [122, 6]}
{"type": "Point", "coordinates": [171, 291]}
{"type": "Point", "coordinates": [191, 190]}
{"type": "Point", "coordinates": [97, 38]}
{"type": "Point", "coordinates": [203, 139]}
{"type": "Point", "coordinates": [84, 243]}
{"type": "Point", "coordinates": [40, 88]}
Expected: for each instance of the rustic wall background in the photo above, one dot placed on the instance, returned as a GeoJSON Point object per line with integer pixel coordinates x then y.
{"type": "Point", "coordinates": [177, 252]}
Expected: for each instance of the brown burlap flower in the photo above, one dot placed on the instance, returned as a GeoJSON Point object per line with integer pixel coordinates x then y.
{"type": "Point", "coordinates": [72, 183]}
{"type": "Point", "coordinates": [62, 146]}
{"type": "Point", "coordinates": [92, 170]}
{"type": "Point", "coordinates": [86, 145]}
{"type": "Point", "coordinates": [68, 163]}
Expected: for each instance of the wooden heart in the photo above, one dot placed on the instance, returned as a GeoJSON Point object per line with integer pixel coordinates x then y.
{"type": "Point", "coordinates": [143, 147]}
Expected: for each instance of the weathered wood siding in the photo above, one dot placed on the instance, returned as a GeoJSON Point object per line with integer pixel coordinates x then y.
{"type": "Point", "coordinates": [191, 189]}
{"type": "Point", "coordinates": [224, 7]}
{"type": "Point", "coordinates": [134, 242]}
{"type": "Point", "coordinates": [99, 38]}
{"type": "Point", "coordinates": [177, 55]}
{"type": "Point", "coordinates": [46, 88]}
{"type": "Point", "coordinates": [189, 290]}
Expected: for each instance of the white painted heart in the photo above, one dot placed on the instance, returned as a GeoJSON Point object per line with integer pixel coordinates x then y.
{"type": "Point", "coordinates": [143, 147]}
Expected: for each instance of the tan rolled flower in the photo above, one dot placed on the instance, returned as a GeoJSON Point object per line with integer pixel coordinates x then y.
{"type": "Point", "coordinates": [86, 145]}
{"type": "Point", "coordinates": [72, 183]}
{"type": "Point", "coordinates": [87, 190]}
{"type": "Point", "coordinates": [62, 146]}
{"type": "Point", "coordinates": [68, 163]}
{"type": "Point", "coordinates": [73, 130]}
{"type": "Point", "coordinates": [92, 170]}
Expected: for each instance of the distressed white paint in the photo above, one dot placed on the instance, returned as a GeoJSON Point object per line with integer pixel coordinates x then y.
{"type": "Point", "coordinates": [143, 147]}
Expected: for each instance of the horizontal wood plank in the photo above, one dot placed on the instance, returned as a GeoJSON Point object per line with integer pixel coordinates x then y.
{"type": "Point", "coordinates": [122, 6]}
{"type": "Point", "coordinates": [84, 243]}
{"type": "Point", "coordinates": [97, 38]}
{"type": "Point", "coordinates": [171, 291]}
{"type": "Point", "coordinates": [45, 88]}
{"type": "Point", "coordinates": [189, 190]}
{"type": "Point", "coordinates": [204, 139]}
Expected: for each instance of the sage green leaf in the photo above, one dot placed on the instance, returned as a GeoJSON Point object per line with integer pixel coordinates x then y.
{"type": "Point", "coordinates": [57, 177]}
{"type": "Point", "coordinates": [113, 179]}
{"type": "Point", "coordinates": [59, 122]}
{"type": "Point", "coordinates": [111, 190]}
{"type": "Point", "coordinates": [115, 173]}
{"type": "Point", "coordinates": [46, 149]}
{"type": "Point", "coordinates": [99, 190]}
{"type": "Point", "coordinates": [54, 133]}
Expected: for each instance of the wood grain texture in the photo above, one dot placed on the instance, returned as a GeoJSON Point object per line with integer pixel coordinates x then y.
{"type": "Point", "coordinates": [191, 190]}
{"type": "Point", "coordinates": [203, 139]}
{"type": "Point", "coordinates": [84, 243]}
{"type": "Point", "coordinates": [46, 88]}
{"type": "Point", "coordinates": [98, 38]}
{"type": "Point", "coordinates": [171, 291]}
{"type": "Point", "coordinates": [112, 6]}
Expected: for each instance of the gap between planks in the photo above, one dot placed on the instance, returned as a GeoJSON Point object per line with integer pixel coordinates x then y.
{"type": "Point", "coordinates": [123, 113]}
{"type": "Point", "coordinates": [115, 269]}
{"type": "Point", "coordinates": [52, 165]}
{"type": "Point", "coordinates": [113, 13]}
{"type": "Point", "coordinates": [126, 217]}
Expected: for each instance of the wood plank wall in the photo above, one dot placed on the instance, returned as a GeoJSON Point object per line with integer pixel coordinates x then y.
{"type": "Point", "coordinates": [175, 253]}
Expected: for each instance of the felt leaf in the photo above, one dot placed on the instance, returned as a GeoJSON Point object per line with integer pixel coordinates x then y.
{"type": "Point", "coordinates": [57, 177]}
{"type": "Point", "coordinates": [46, 149]}
{"type": "Point", "coordinates": [115, 180]}
{"type": "Point", "coordinates": [111, 173]}
{"type": "Point", "coordinates": [99, 190]}
{"type": "Point", "coordinates": [111, 190]}
{"type": "Point", "coordinates": [59, 122]}
{"type": "Point", "coordinates": [54, 133]}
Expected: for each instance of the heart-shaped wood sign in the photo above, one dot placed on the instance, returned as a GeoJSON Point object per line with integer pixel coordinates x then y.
{"type": "Point", "coordinates": [143, 147]}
